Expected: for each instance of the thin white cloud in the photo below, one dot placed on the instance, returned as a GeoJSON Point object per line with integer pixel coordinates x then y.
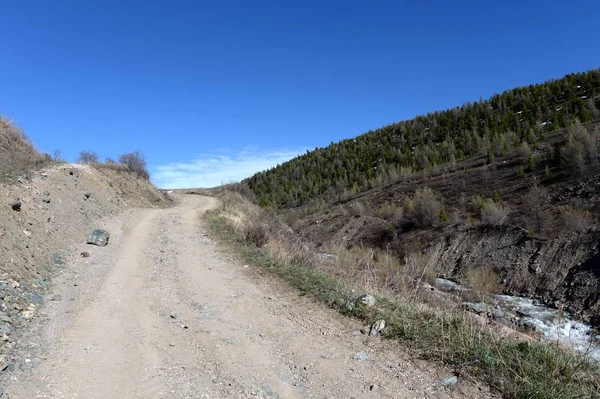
{"type": "Point", "coordinates": [212, 170]}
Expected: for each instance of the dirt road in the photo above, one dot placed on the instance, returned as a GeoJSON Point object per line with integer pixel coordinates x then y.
{"type": "Point", "coordinates": [162, 312]}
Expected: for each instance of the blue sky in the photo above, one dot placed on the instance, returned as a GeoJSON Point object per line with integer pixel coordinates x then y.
{"type": "Point", "coordinates": [213, 91]}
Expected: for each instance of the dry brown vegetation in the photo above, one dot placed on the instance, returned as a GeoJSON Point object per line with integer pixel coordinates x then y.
{"type": "Point", "coordinates": [368, 268]}
{"type": "Point", "coordinates": [136, 163]}
{"type": "Point", "coordinates": [132, 162]}
{"type": "Point", "coordinates": [430, 326]}
{"type": "Point", "coordinates": [463, 190]}
{"type": "Point", "coordinates": [423, 208]}
{"type": "Point", "coordinates": [17, 153]}
{"type": "Point", "coordinates": [19, 156]}
{"type": "Point", "coordinates": [493, 213]}
{"type": "Point", "coordinates": [484, 282]}
{"type": "Point", "coordinates": [87, 157]}
{"type": "Point", "coordinates": [575, 219]}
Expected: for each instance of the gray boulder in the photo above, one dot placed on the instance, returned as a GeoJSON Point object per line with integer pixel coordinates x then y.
{"type": "Point", "coordinates": [480, 308]}
{"type": "Point", "coordinates": [35, 298]}
{"type": "Point", "coordinates": [57, 259]}
{"type": "Point", "coordinates": [377, 327]}
{"type": "Point", "coordinates": [15, 205]}
{"type": "Point", "coordinates": [99, 237]}
{"type": "Point", "coordinates": [366, 300]}
{"type": "Point", "coordinates": [5, 329]}
{"type": "Point", "coordinates": [449, 380]}
{"type": "Point", "coordinates": [350, 304]}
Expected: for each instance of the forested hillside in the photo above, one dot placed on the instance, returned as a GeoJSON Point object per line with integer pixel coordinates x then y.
{"type": "Point", "coordinates": [517, 118]}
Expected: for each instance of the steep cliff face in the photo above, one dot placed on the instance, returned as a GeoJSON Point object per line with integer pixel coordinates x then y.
{"type": "Point", "coordinates": [564, 271]}
{"type": "Point", "coordinates": [560, 271]}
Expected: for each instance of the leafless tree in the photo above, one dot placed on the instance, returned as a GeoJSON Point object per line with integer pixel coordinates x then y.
{"type": "Point", "coordinates": [87, 157]}
{"type": "Point", "coordinates": [136, 163]}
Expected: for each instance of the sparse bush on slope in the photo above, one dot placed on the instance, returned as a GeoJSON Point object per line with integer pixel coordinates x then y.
{"type": "Point", "coordinates": [87, 157]}
{"type": "Point", "coordinates": [131, 162]}
{"type": "Point", "coordinates": [136, 163]}
{"type": "Point", "coordinates": [582, 147]}
{"type": "Point", "coordinates": [424, 208]}
{"type": "Point", "coordinates": [575, 219]}
{"type": "Point", "coordinates": [494, 213]}
{"type": "Point", "coordinates": [490, 211]}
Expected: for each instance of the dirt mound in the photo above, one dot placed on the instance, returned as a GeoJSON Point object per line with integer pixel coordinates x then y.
{"type": "Point", "coordinates": [59, 208]}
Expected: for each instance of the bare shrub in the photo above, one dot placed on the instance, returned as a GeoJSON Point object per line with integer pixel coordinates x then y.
{"type": "Point", "coordinates": [488, 211]}
{"type": "Point", "coordinates": [575, 219]}
{"type": "Point", "coordinates": [523, 152]}
{"type": "Point", "coordinates": [256, 234]}
{"type": "Point", "coordinates": [454, 217]}
{"type": "Point", "coordinates": [535, 201]}
{"type": "Point", "coordinates": [391, 212]}
{"type": "Point", "coordinates": [582, 147]}
{"type": "Point", "coordinates": [241, 188]}
{"type": "Point", "coordinates": [359, 208]}
{"type": "Point", "coordinates": [238, 207]}
{"type": "Point", "coordinates": [494, 213]}
{"type": "Point", "coordinates": [257, 226]}
{"type": "Point", "coordinates": [423, 209]}
{"type": "Point", "coordinates": [87, 157]}
{"type": "Point", "coordinates": [368, 268]}
{"type": "Point", "coordinates": [136, 163]}
{"type": "Point", "coordinates": [58, 157]}
{"type": "Point", "coordinates": [279, 249]}
{"type": "Point", "coordinates": [291, 250]}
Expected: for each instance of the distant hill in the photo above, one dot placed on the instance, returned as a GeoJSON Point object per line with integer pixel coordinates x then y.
{"type": "Point", "coordinates": [496, 127]}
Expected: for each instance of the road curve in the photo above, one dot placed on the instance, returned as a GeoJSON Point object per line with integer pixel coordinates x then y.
{"type": "Point", "coordinates": [163, 312]}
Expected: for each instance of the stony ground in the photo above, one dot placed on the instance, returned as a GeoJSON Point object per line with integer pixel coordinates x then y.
{"type": "Point", "coordinates": [162, 312]}
{"type": "Point", "coordinates": [46, 216]}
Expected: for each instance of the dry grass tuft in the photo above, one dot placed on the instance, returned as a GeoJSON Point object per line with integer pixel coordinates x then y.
{"type": "Point", "coordinates": [17, 153]}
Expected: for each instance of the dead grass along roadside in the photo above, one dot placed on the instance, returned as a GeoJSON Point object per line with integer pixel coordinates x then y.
{"type": "Point", "coordinates": [517, 369]}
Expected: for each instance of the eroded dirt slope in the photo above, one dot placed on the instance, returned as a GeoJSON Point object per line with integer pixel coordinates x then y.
{"type": "Point", "coordinates": [59, 207]}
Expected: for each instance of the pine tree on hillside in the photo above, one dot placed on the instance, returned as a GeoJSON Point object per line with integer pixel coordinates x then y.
{"type": "Point", "coordinates": [492, 127]}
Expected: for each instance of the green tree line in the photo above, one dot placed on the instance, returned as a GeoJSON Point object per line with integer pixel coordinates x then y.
{"type": "Point", "coordinates": [494, 127]}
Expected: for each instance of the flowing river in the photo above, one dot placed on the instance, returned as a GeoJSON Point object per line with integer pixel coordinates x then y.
{"type": "Point", "coordinates": [550, 323]}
